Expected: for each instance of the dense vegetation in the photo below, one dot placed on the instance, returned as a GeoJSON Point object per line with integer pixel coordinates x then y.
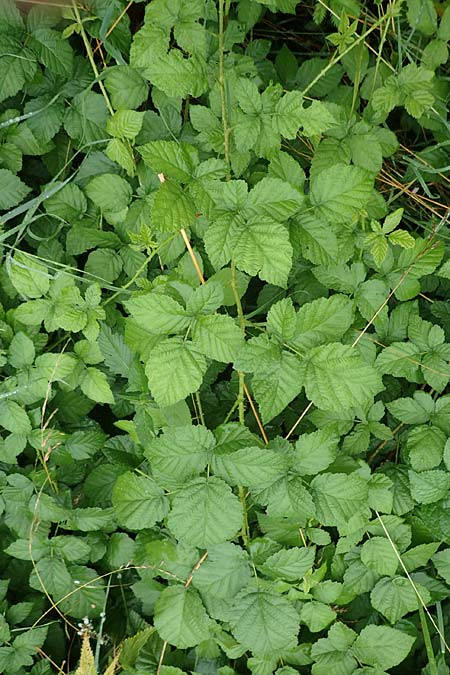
{"type": "Point", "coordinates": [224, 402]}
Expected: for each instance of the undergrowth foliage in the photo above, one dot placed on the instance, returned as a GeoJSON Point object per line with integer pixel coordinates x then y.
{"type": "Point", "coordinates": [225, 337]}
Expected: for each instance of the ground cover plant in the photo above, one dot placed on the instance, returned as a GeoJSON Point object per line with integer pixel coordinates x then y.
{"type": "Point", "coordinates": [225, 337]}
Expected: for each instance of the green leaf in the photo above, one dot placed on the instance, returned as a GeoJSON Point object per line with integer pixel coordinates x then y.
{"type": "Point", "coordinates": [250, 466]}
{"type": "Point", "coordinates": [13, 189]}
{"type": "Point", "coordinates": [288, 114]}
{"type": "Point", "coordinates": [339, 193]}
{"type": "Point", "coordinates": [180, 617]}
{"type": "Point", "coordinates": [208, 297]}
{"type": "Point", "coordinates": [138, 501]}
{"type": "Point", "coordinates": [333, 652]}
{"type": "Point", "coordinates": [264, 621]}
{"type": "Point", "coordinates": [425, 447]}
{"type": "Point", "coordinates": [338, 497]}
{"type": "Point", "coordinates": [416, 410]}
{"type": "Point", "coordinates": [323, 320]}
{"type": "Point", "coordinates": [109, 192]}
{"type": "Point", "coordinates": [174, 159]}
{"type": "Point", "coordinates": [13, 418]}
{"type": "Point", "coordinates": [396, 597]}
{"type": "Point", "coordinates": [263, 248]}
{"type": "Point", "coordinates": [289, 564]}
{"type": "Point", "coordinates": [117, 355]}
{"type": "Point", "coordinates": [158, 314]}
{"type": "Point", "coordinates": [125, 86]}
{"type": "Point", "coordinates": [337, 379]}
{"type": "Point", "coordinates": [402, 238]}
{"type": "Point", "coordinates": [395, 646]}
{"type": "Point", "coordinates": [225, 572]}
{"type": "Point", "coordinates": [441, 561]}
{"type": "Point", "coordinates": [281, 320]}
{"type": "Point", "coordinates": [125, 124]}
{"type": "Point", "coordinates": [180, 452]}
{"type": "Point", "coordinates": [52, 50]}
{"type": "Point", "coordinates": [378, 555]}
{"type": "Point", "coordinates": [314, 452]}
{"type": "Point", "coordinates": [172, 208]}
{"type": "Point", "coordinates": [174, 369]}
{"type": "Point", "coordinates": [94, 385]}
{"type": "Point", "coordinates": [274, 388]}
{"type": "Point", "coordinates": [275, 199]}
{"type": "Point", "coordinates": [317, 615]}
{"type": "Point", "coordinates": [204, 513]}
{"type": "Point", "coordinates": [429, 486]}
{"type": "Point", "coordinates": [28, 276]}
{"type": "Point", "coordinates": [218, 337]}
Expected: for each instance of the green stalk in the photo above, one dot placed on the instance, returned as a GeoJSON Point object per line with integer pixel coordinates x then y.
{"type": "Point", "coordinates": [427, 641]}
{"type": "Point", "coordinates": [226, 130]}
{"type": "Point", "coordinates": [91, 57]}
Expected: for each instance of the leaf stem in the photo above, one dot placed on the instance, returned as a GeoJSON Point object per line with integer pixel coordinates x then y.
{"type": "Point", "coordinates": [91, 57]}
{"type": "Point", "coordinates": [427, 641]}
{"type": "Point", "coordinates": [226, 130]}
{"type": "Point", "coordinates": [241, 318]}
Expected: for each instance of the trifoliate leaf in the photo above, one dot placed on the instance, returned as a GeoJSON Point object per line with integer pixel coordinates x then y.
{"type": "Point", "coordinates": [174, 369]}
{"type": "Point", "coordinates": [180, 617]}
{"type": "Point", "coordinates": [204, 513]}
{"type": "Point", "coordinates": [138, 501]}
{"type": "Point", "coordinates": [264, 622]}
